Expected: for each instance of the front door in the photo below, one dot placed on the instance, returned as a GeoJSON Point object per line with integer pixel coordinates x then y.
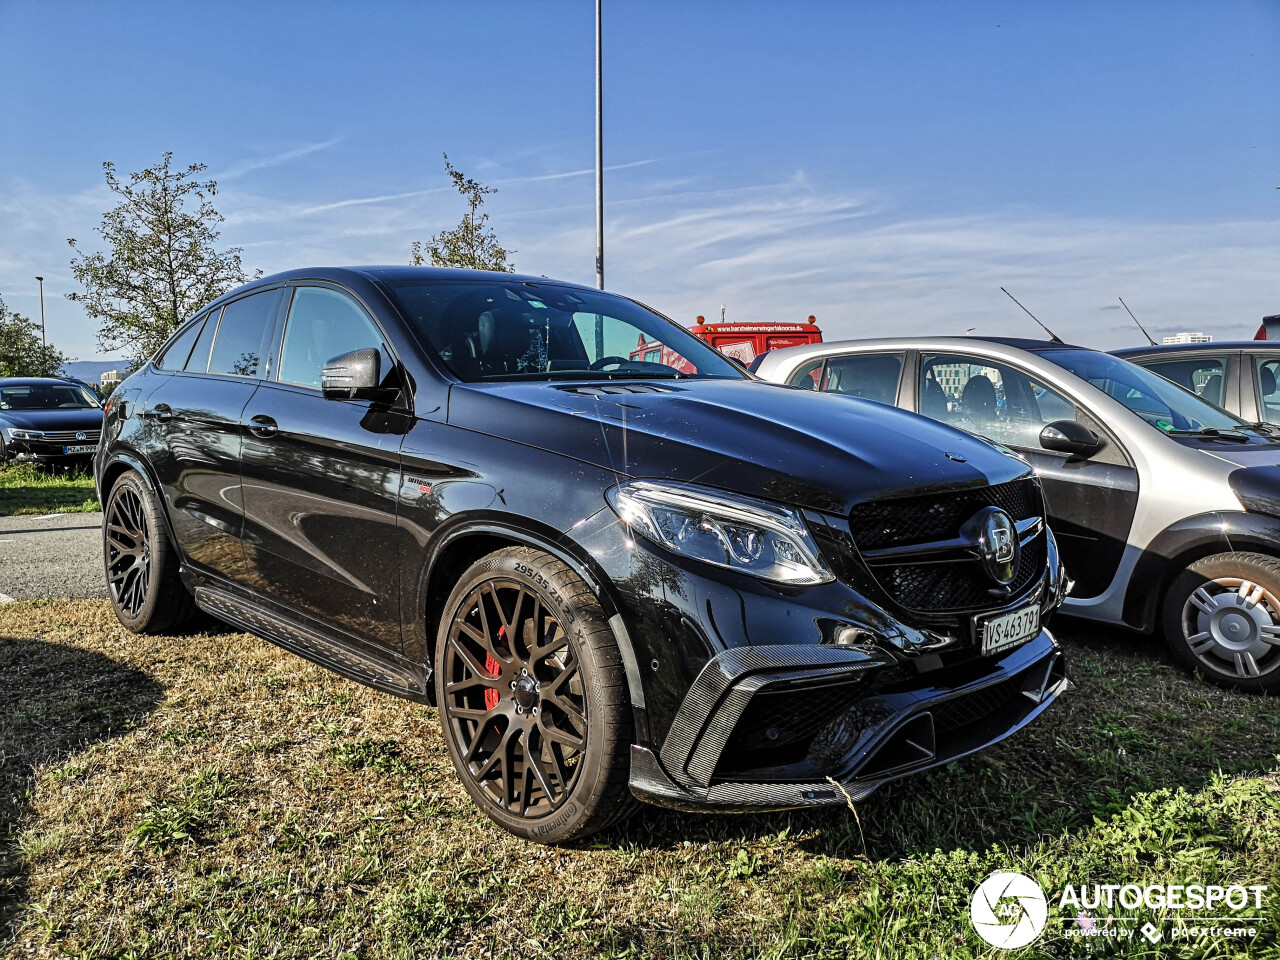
{"type": "Point", "coordinates": [193, 429]}
{"type": "Point", "coordinates": [1090, 502]}
{"type": "Point", "coordinates": [322, 478]}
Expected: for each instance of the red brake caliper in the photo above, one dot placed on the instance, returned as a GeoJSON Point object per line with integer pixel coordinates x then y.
{"type": "Point", "coordinates": [491, 697]}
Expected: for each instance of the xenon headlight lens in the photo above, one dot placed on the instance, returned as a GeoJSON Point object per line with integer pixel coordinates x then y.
{"type": "Point", "coordinates": [17, 434]}
{"type": "Point", "coordinates": [751, 536]}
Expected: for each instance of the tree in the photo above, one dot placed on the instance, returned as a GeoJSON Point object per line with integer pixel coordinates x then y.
{"type": "Point", "coordinates": [469, 244]}
{"type": "Point", "coordinates": [23, 352]}
{"type": "Point", "coordinates": [162, 264]}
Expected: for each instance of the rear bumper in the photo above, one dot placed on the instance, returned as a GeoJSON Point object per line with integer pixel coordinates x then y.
{"type": "Point", "coordinates": [831, 723]}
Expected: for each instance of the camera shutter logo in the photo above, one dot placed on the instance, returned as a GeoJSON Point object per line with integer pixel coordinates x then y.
{"type": "Point", "coordinates": [1008, 910]}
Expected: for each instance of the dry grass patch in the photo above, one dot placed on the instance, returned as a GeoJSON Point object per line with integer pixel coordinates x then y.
{"type": "Point", "coordinates": [211, 795]}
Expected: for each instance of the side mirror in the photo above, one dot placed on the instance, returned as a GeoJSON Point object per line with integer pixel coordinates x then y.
{"type": "Point", "coordinates": [1070, 437]}
{"type": "Point", "coordinates": [351, 375]}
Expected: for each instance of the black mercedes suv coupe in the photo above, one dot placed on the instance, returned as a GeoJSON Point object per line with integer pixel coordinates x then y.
{"type": "Point", "coordinates": [616, 562]}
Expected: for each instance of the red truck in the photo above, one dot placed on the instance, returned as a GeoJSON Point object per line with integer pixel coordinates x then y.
{"type": "Point", "coordinates": [741, 341]}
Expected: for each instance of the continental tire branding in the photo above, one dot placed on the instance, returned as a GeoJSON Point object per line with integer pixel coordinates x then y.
{"type": "Point", "coordinates": [559, 820]}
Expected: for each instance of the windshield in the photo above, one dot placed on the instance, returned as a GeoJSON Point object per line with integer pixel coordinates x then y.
{"type": "Point", "coordinates": [1162, 404]}
{"type": "Point", "coordinates": [518, 330]}
{"type": "Point", "coordinates": [46, 396]}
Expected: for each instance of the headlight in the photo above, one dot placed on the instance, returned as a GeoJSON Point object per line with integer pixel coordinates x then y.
{"type": "Point", "coordinates": [16, 434]}
{"type": "Point", "coordinates": [743, 534]}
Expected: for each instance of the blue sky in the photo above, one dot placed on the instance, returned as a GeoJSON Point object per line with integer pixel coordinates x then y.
{"type": "Point", "coordinates": [886, 166]}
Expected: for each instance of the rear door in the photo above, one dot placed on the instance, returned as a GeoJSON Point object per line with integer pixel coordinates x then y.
{"type": "Point", "coordinates": [1091, 503]}
{"type": "Point", "coordinates": [322, 477]}
{"type": "Point", "coordinates": [193, 428]}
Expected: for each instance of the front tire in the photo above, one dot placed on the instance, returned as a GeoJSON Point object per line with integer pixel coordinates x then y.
{"type": "Point", "coordinates": [141, 563]}
{"type": "Point", "coordinates": [533, 698]}
{"type": "Point", "coordinates": [1222, 618]}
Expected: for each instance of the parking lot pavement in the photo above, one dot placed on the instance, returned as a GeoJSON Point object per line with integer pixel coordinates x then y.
{"type": "Point", "coordinates": [57, 555]}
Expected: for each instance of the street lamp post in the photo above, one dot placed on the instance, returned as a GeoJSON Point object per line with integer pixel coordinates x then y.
{"type": "Point", "coordinates": [599, 154]}
{"type": "Point", "coordinates": [43, 338]}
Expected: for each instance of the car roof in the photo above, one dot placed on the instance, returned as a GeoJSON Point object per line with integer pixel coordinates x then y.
{"type": "Point", "coordinates": [32, 381]}
{"type": "Point", "coordinates": [392, 273]}
{"type": "Point", "coordinates": [1215, 347]}
{"type": "Point", "coordinates": [793, 356]}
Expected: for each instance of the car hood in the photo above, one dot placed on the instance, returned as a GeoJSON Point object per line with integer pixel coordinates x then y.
{"type": "Point", "coordinates": [821, 451]}
{"type": "Point", "coordinates": [53, 419]}
{"type": "Point", "coordinates": [1250, 455]}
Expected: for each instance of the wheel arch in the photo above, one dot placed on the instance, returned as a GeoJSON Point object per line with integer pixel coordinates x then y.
{"type": "Point", "coordinates": [467, 541]}
{"type": "Point", "coordinates": [1185, 542]}
{"type": "Point", "coordinates": [121, 463]}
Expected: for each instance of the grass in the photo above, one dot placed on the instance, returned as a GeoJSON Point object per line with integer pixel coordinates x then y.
{"type": "Point", "coordinates": [31, 488]}
{"type": "Point", "coordinates": [213, 796]}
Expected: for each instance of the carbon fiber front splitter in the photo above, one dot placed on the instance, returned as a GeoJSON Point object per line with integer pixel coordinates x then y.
{"type": "Point", "coordinates": [904, 729]}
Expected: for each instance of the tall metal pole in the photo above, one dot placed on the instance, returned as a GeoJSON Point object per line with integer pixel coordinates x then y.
{"type": "Point", "coordinates": [599, 154]}
{"type": "Point", "coordinates": [43, 338]}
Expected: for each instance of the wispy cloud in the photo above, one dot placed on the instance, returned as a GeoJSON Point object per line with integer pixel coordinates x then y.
{"type": "Point", "coordinates": [239, 169]}
{"type": "Point", "coordinates": [770, 251]}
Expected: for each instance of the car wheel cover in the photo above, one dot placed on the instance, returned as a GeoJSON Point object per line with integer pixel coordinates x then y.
{"type": "Point", "coordinates": [1232, 624]}
{"type": "Point", "coordinates": [514, 698]}
{"type": "Point", "coordinates": [128, 544]}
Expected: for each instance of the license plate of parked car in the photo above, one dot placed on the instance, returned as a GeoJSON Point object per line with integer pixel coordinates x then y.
{"type": "Point", "coordinates": [1009, 630]}
{"type": "Point", "coordinates": [80, 448]}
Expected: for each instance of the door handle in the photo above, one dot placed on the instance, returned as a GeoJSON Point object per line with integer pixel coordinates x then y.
{"type": "Point", "coordinates": [161, 411]}
{"type": "Point", "coordinates": [263, 426]}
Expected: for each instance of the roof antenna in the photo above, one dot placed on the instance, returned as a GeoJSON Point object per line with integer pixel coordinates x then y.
{"type": "Point", "coordinates": [1053, 337]}
{"type": "Point", "coordinates": [1135, 320]}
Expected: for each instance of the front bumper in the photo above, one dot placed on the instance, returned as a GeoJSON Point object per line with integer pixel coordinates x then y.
{"type": "Point", "coordinates": [40, 451]}
{"type": "Point", "coordinates": [789, 726]}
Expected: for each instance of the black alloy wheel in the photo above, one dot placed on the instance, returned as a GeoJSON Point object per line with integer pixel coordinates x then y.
{"type": "Point", "coordinates": [128, 546]}
{"type": "Point", "coordinates": [532, 698]}
{"type": "Point", "coordinates": [147, 593]}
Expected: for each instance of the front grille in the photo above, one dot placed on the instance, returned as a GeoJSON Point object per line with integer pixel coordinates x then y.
{"type": "Point", "coordinates": [952, 584]}
{"type": "Point", "coordinates": [890, 523]}
{"type": "Point", "coordinates": [958, 585]}
{"type": "Point", "coordinates": [68, 436]}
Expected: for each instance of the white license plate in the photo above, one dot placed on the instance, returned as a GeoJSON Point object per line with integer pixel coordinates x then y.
{"type": "Point", "coordinates": [1009, 629]}
{"type": "Point", "coordinates": [81, 448]}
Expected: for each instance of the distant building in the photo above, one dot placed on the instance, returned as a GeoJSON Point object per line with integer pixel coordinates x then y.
{"type": "Point", "coordinates": [112, 376]}
{"type": "Point", "coordinates": [1188, 336]}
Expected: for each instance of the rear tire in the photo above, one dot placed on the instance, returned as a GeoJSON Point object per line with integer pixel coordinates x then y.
{"type": "Point", "coordinates": [141, 564]}
{"type": "Point", "coordinates": [533, 698]}
{"type": "Point", "coordinates": [1221, 618]}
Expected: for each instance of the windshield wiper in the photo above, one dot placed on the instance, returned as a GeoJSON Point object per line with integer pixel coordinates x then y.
{"type": "Point", "coordinates": [1214, 433]}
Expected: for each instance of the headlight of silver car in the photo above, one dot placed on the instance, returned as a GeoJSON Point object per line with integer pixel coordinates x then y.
{"type": "Point", "coordinates": [751, 536]}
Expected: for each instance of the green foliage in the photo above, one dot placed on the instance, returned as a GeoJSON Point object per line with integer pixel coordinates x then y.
{"type": "Point", "coordinates": [380, 755]}
{"type": "Point", "coordinates": [184, 814]}
{"type": "Point", "coordinates": [469, 244]}
{"type": "Point", "coordinates": [29, 488]}
{"type": "Point", "coordinates": [23, 352]}
{"type": "Point", "coordinates": [162, 263]}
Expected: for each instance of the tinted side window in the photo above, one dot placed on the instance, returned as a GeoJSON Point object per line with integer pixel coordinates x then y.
{"type": "Point", "coordinates": [198, 362]}
{"type": "Point", "coordinates": [989, 399]}
{"type": "Point", "coordinates": [1268, 377]}
{"type": "Point", "coordinates": [1201, 375]}
{"type": "Point", "coordinates": [244, 335]}
{"type": "Point", "coordinates": [324, 324]}
{"type": "Point", "coordinates": [872, 376]}
{"type": "Point", "coordinates": [175, 357]}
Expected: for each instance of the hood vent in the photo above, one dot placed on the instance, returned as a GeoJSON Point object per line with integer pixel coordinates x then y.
{"type": "Point", "coordinates": [615, 389]}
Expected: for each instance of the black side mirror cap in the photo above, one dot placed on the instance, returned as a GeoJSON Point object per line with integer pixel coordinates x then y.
{"type": "Point", "coordinates": [1072, 438]}
{"type": "Point", "coordinates": [352, 375]}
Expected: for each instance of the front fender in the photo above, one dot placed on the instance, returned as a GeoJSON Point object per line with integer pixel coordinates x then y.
{"type": "Point", "coordinates": [1185, 542]}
